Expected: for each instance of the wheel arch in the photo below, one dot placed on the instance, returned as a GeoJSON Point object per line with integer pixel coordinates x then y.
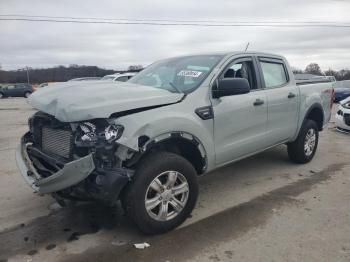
{"type": "Point", "coordinates": [181, 143]}
{"type": "Point", "coordinates": [315, 113]}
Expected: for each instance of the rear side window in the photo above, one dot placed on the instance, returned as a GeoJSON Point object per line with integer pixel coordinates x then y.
{"type": "Point", "coordinates": [274, 74]}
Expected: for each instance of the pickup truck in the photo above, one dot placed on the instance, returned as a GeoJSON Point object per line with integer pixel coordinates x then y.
{"type": "Point", "coordinates": [147, 141]}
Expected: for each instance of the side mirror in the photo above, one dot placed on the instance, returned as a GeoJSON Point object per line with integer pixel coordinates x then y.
{"type": "Point", "coordinates": [231, 86]}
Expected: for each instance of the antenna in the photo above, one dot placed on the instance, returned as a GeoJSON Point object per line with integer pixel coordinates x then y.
{"type": "Point", "coordinates": [246, 48]}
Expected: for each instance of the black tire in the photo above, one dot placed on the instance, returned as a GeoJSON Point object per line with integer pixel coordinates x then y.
{"type": "Point", "coordinates": [27, 94]}
{"type": "Point", "coordinates": [2, 95]}
{"type": "Point", "coordinates": [296, 150]}
{"type": "Point", "coordinates": [147, 170]}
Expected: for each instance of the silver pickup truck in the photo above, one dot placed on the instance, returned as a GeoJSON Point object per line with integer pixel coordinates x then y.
{"type": "Point", "coordinates": [146, 141]}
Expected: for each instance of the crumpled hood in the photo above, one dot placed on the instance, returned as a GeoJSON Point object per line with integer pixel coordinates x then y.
{"type": "Point", "coordinates": [79, 101]}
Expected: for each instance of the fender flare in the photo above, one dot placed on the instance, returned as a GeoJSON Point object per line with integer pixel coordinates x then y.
{"type": "Point", "coordinates": [314, 106]}
{"type": "Point", "coordinates": [177, 134]}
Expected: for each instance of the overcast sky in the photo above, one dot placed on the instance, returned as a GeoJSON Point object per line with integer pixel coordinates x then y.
{"type": "Point", "coordinates": [118, 46]}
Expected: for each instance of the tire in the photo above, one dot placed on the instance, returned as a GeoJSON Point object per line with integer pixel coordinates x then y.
{"type": "Point", "coordinates": [2, 95]}
{"type": "Point", "coordinates": [298, 151]}
{"type": "Point", "coordinates": [157, 165]}
{"type": "Point", "coordinates": [27, 94]}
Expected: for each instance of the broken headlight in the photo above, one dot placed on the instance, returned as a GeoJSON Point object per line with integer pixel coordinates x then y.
{"type": "Point", "coordinates": [90, 132]}
{"type": "Point", "coordinates": [113, 132]}
{"type": "Point", "coordinates": [346, 105]}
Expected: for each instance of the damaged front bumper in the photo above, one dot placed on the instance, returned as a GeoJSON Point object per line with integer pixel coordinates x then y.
{"type": "Point", "coordinates": [79, 175]}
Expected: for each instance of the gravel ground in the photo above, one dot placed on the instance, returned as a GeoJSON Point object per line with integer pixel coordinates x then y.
{"type": "Point", "coordinates": [263, 208]}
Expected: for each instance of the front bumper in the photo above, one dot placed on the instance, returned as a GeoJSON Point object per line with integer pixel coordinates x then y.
{"type": "Point", "coordinates": [340, 120]}
{"type": "Point", "coordinates": [78, 180]}
{"type": "Point", "coordinates": [71, 174]}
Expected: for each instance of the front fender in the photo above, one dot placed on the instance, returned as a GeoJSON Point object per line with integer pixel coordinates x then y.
{"type": "Point", "coordinates": [161, 122]}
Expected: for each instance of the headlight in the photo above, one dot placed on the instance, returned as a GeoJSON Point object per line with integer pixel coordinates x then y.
{"type": "Point", "coordinates": [113, 132]}
{"type": "Point", "coordinates": [99, 131]}
{"type": "Point", "coordinates": [346, 105]}
{"type": "Point", "coordinates": [88, 131]}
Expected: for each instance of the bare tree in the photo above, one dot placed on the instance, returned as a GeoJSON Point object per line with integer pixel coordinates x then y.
{"type": "Point", "coordinates": [135, 68]}
{"type": "Point", "coordinates": [343, 74]}
{"type": "Point", "coordinates": [314, 69]}
{"type": "Point", "coordinates": [297, 70]}
{"type": "Point", "coordinates": [331, 72]}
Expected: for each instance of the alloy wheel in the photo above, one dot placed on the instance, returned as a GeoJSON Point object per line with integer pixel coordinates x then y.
{"type": "Point", "coordinates": [166, 196]}
{"type": "Point", "coordinates": [310, 142]}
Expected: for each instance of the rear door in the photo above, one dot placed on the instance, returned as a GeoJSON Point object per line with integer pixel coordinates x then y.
{"type": "Point", "coordinates": [10, 90]}
{"type": "Point", "coordinates": [240, 120]}
{"type": "Point", "coordinates": [282, 100]}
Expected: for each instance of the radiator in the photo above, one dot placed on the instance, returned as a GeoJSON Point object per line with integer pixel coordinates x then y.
{"type": "Point", "coordinates": [56, 141]}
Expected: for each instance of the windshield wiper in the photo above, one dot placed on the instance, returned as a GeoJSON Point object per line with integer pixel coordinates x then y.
{"type": "Point", "coordinates": [175, 87]}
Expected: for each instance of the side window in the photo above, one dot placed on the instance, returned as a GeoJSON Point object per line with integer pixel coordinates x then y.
{"type": "Point", "coordinates": [274, 74]}
{"type": "Point", "coordinates": [11, 87]}
{"type": "Point", "coordinates": [122, 79]}
{"type": "Point", "coordinates": [244, 69]}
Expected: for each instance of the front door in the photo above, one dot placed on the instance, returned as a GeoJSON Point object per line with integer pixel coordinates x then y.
{"type": "Point", "coordinates": [19, 90]}
{"type": "Point", "coordinates": [240, 120]}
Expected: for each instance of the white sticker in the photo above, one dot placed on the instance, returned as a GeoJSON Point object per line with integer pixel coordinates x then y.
{"type": "Point", "coordinates": [189, 73]}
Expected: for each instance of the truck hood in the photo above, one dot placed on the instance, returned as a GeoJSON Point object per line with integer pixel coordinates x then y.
{"type": "Point", "coordinates": [79, 101]}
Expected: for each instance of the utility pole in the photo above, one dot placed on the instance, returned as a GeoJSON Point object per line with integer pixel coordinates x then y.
{"type": "Point", "coordinates": [27, 74]}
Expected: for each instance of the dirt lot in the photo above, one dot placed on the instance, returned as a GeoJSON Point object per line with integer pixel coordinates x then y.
{"type": "Point", "coordinates": [260, 209]}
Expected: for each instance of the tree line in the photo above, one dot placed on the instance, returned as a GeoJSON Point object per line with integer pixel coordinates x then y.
{"type": "Point", "coordinates": [314, 68]}
{"type": "Point", "coordinates": [58, 74]}
{"type": "Point", "coordinates": [63, 73]}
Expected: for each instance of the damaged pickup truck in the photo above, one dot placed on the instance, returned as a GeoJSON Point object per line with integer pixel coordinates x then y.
{"type": "Point", "coordinates": [146, 141]}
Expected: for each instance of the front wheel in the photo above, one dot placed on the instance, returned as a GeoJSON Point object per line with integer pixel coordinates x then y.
{"type": "Point", "coordinates": [303, 149]}
{"type": "Point", "coordinates": [162, 194]}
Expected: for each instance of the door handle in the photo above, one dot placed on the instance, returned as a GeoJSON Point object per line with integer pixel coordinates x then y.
{"type": "Point", "coordinates": [258, 102]}
{"type": "Point", "coordinates": [291, 95]}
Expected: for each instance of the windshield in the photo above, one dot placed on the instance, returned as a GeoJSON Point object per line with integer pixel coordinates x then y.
{"type": "Point", "coordinates": [181, 75]}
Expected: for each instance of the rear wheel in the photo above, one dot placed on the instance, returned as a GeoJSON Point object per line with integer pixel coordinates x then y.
{"type": "Point", "coordinates": [27, 94]}
{"type": "Point", "coordinates": [162, 194]}
{"type": "Point", "coordinates": [303, 149]}
{"type": "Point", "coordinates": [1, 95]}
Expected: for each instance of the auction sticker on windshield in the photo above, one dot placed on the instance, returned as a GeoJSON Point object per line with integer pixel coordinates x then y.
{"type": "Point", "coordinates": [189, 73]}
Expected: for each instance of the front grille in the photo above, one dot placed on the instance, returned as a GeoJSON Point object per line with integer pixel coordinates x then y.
{"type": "Point", "coordinates": [347, 119]}
{"type": "Point", "coordinates": [56, 141]}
